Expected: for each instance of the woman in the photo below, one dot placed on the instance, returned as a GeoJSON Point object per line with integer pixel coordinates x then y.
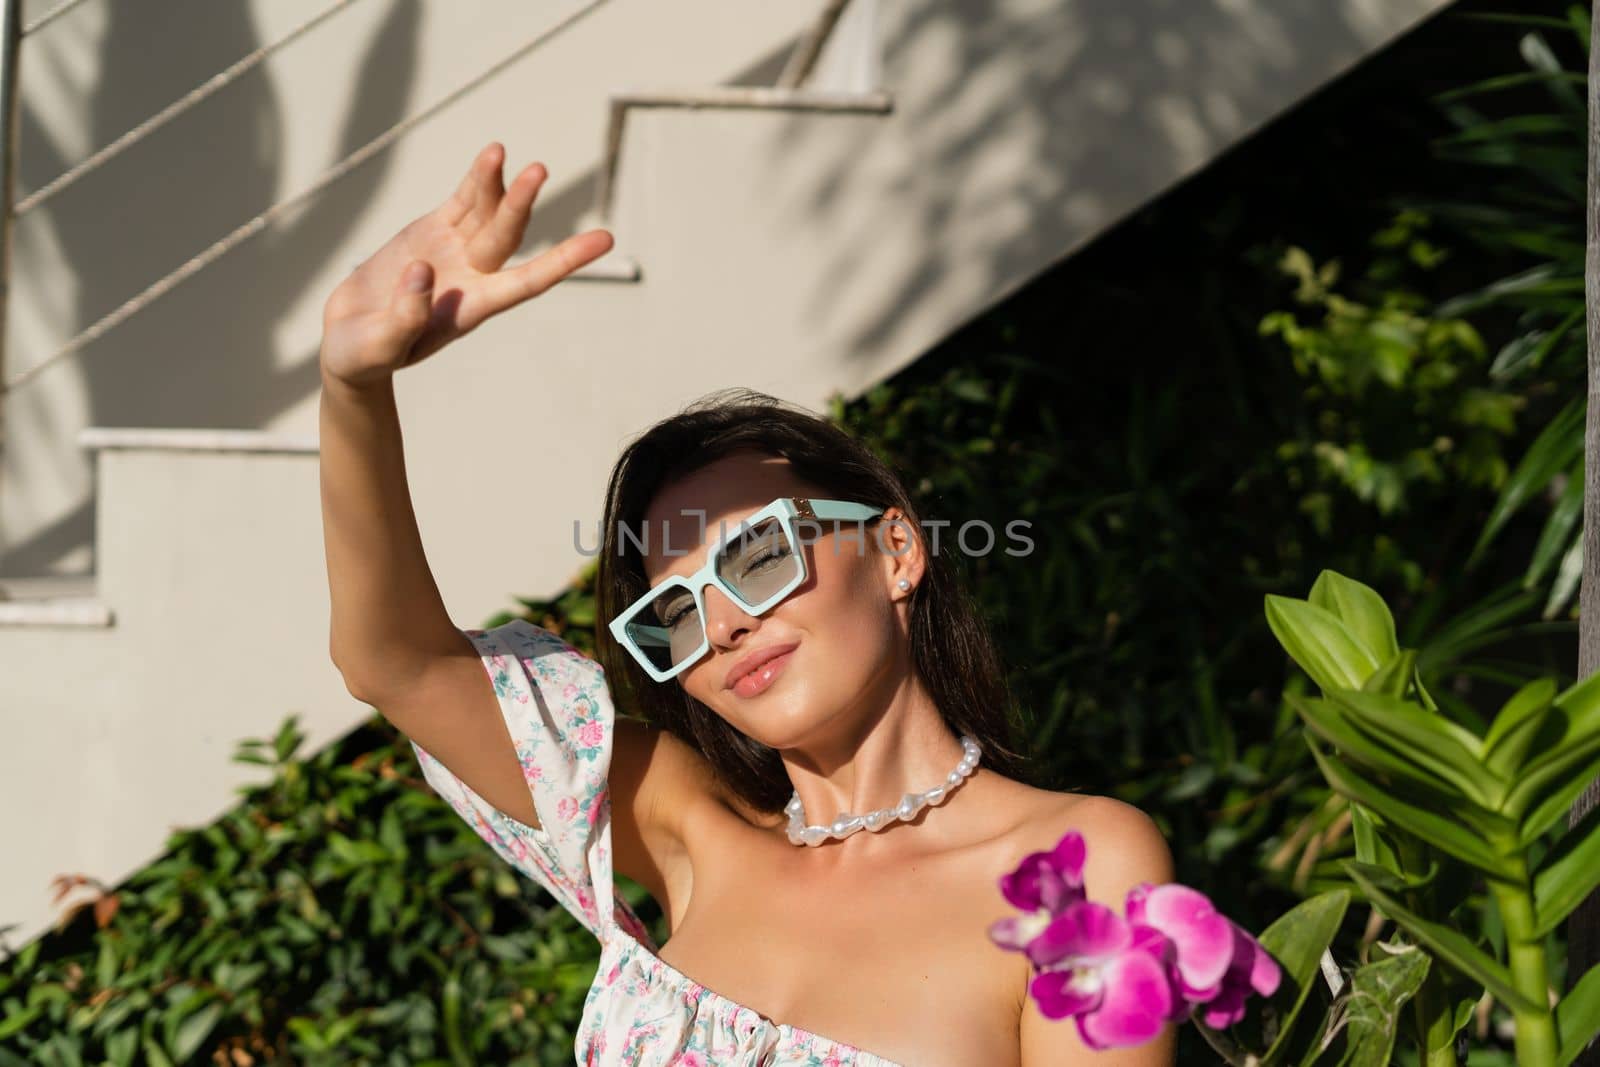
{"type": "Point", "coordinates": [800, 655]}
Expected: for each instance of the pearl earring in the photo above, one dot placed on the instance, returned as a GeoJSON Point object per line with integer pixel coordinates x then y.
{"type": "Point", "coordinates": [904, 584]}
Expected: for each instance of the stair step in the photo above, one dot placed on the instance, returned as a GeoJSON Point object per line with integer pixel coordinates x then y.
{"type": "Point", "coordinates": [64, 600]}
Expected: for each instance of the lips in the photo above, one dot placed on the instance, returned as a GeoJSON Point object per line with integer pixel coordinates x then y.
{"type": "Point", "coordinates": [755, 660]}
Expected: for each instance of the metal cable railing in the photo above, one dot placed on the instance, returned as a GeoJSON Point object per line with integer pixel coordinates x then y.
{"type": "Point", "coordinates": [799, 65]}
{"type": "Point", "coordinates": [50, 16]}
{"type": "Point", "coordinates": [248, 229]}
{"type": "Point", "coordinates": [172, 110]}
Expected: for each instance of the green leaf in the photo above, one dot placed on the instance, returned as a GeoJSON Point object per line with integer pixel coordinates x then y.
{"type": "Point", "coordinates": [1554, 450]}
{"type": "Point", "coordinates": [1549, 768]}
{"type": "Point", "coordinates": [1556, 804]}
{"type": "Point", "coordinates": [1452, 949]}
{"type": "Point", "coordinates": [1394, 881]}
{"type": "Point", "coordinates": [1445, 748]}
{"type": "Point", "coordinates": [1297, 940]}
{"type": "Point", "coordinates": [1322, 645]}
{"type": "Point", "coordinates": [194, 1030]}
{"type": "Point", "coordinates": [1378, 992]}
{"type": "Point", "coordinates": [1331, 722]}
{"type": "Point", "coordinates": [1567, 875]}
{"type": "Point", "coordinates": [1437, 830]}
{"type": "Point", "coordinates": [1558, 527]}
{"type": "Point", "coordinates": [1569, 578]}
{"type": "Point", "coordinates": [1360, 608]}
{"type": "Point", "coordinates": [1578, 1016]}
{"type": "Point", "coordinates": [154, 1054]}
{"type": "Point", "coordinates": [1371, 847]}
{"type": "Point", "coordinates": [1514, 728]}
{"type": "Point", "coordinates": [1393, 678]}
{"type": "Point", "coordinates": [1581, 701]}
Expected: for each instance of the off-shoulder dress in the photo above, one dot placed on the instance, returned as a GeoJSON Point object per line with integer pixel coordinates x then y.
{"type": "Point", "coordinates": [640, 1011]}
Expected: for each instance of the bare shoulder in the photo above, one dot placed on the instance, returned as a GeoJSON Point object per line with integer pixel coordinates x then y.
{"type": "Point", "coordinates": [1123, 844]}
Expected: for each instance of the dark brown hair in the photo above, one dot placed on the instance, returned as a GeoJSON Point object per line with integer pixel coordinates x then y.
{"type": "Point", "coordinates": [951, 647]}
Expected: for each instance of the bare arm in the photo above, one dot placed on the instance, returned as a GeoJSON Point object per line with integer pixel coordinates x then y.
{"type": "Point", "coordinates": [390, 635]}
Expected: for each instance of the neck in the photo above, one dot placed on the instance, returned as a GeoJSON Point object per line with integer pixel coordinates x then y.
{"type": "Point", "coordinates": [873, 759]}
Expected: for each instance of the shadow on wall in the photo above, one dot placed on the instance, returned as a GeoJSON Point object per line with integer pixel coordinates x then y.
{"type": "Point", "coordinates": [175, 193]}
{"type": "Point", "coordinates": [1117, 99]}
{"type": "Point", "coordinates": [230, 353]}
{"type": "Point", "coordinates": [1124, 97]}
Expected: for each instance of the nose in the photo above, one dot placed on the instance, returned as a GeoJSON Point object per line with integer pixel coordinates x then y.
{"type": "Point", "coordinates": [726, 621]}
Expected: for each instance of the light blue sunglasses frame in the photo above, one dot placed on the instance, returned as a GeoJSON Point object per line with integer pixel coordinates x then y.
{"type": "Point", "coordinates": [787, 510]}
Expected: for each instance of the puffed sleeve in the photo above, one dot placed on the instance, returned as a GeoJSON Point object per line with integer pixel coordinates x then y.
{"type": "Point", "coordinates": [559, 714]}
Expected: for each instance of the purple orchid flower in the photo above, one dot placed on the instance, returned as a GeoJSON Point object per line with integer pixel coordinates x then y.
{"type": "Point", "coordinates": [1111, 976]}
{"type": "Point", "coordinates": [1122, 979]}
{"type": "Point", "coordinates": [1043, 885]}
{"type": "Point", "coordinates": [1218, 964]}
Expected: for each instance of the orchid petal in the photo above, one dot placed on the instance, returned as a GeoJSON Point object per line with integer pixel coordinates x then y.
{"type": "Point", "coordinates": [1136, 1004]}
{"type": "Point", "coordinates": [1204, 938]}
{"type": "Point", "coordinates": [1049, 880]}
{"type": "Point", "coordinates": [1063, 993]}
{"type": "Point", "coordinates": [1015, 932]}
{"type": "Point", "coordinates": [1225, 1009]}
{"type": "Point", "coordinates": [1085, 931]}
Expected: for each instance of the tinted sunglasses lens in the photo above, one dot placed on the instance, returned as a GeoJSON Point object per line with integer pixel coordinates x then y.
{"type": "Point", "coordinates": [667, 630]}
{"type": "Point", "coordinates": [759, 563]}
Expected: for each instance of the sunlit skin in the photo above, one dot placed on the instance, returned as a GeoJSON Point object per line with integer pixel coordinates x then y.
{"type": "Point", "coordinates": [878, 938]}
{"type": "Point", "coordinates": [854, 724]}
{"type": "Point", "coordinates": [856, 727]}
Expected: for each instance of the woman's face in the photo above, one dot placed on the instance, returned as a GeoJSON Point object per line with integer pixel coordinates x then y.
{"type": "Point", "coordinates": [843, 631]}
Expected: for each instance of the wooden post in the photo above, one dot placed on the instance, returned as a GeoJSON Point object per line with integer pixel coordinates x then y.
{"type": "Point", "coordinates": [1583, 925]}
{"type": "Point", "coordinates": [10, 51]}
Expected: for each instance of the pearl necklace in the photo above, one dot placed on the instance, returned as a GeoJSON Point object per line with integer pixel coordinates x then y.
{"type": "Point", "coordinates": [847, 824]}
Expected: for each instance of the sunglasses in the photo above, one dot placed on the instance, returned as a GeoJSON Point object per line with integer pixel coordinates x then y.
{"type": "Point", "coordinates": [756, 566]}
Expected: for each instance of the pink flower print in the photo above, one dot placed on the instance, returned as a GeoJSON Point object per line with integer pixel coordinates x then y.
{"type": "Point", "coordinates": [690, 1059]}
{"type": "Point", "coordinates": [611, 976]}
{"type": "Point", "coordinates": [569, 691]}
{"type": "Point", "coordinates": [566, 808]}
{"type": "Point", "coordinates": [534, 773]}
{"type": "Point", "coordinates": [592, 733]}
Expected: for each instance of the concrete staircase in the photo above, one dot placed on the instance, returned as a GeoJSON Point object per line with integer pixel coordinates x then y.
{"type": "Point", "coordinates": [798, 240]}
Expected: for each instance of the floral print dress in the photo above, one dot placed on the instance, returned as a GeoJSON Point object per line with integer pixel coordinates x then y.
{"type": "Point", "coordinates": [640, 1010]}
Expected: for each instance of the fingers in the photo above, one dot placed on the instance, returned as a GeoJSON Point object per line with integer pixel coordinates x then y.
{"type": "Point", "coordinates": [481, 179]}
{"type": "Point", "coordinates": [528, 280]}
{"type": "Point", "coordinates": [492, 245]}
{"type": "Point", "coordinates": [410, 305]}
{"type": "Point", "coordinates": [490, 188]}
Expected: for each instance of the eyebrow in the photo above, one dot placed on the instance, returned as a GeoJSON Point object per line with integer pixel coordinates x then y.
{"type": "Point", "coordinates": [694, 558]}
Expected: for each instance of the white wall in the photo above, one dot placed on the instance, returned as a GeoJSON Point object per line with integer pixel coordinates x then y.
{"type": "Point", "coordinates": [796, 252]}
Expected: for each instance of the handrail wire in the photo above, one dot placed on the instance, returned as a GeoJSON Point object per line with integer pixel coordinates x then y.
{"type": "Point", "coordinates": [787, 88]}
{"type": "Point", "coordinates": [50, 16]}
{"type": "Point", "coordinates": [259, 222]}
{"type": "Point", "coordinates": [806, 53]}
{"type": "Point", "coordinates": [174, 109]}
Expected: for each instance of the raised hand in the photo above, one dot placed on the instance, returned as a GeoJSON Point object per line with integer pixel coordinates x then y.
{"type": "Point", "coordinates": [441, 276]}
